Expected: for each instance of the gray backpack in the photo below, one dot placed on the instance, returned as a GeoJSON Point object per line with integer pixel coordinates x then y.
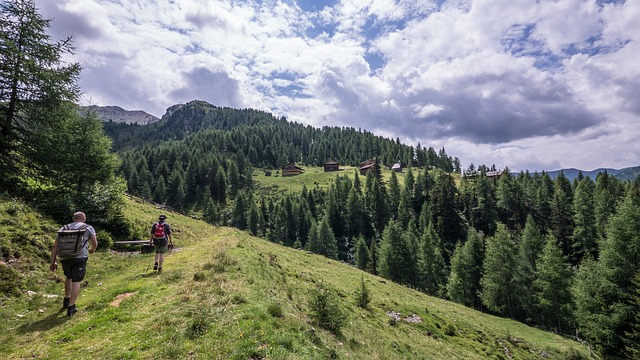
{"type": "Point", "coordinates": [70, 242]}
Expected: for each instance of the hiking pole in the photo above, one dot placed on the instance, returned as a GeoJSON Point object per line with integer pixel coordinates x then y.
{"type": "Point", "coordinates": [149, 264]}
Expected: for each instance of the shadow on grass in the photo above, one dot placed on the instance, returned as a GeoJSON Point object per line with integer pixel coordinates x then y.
{"type": "Point", "coordinates": [49, 322]}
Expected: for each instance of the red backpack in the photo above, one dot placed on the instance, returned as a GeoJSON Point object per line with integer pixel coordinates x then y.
{"type": "Point", "coordinates": [159, 233]}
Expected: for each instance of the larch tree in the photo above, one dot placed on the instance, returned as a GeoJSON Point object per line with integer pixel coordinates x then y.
{"type": "Point", "coordinates": [433, 269]}
{"type": "Point", "coordinates": [585, 231]}
{"type": "Point", "coordinates": [499, 270]}
{"type": "Point", "coordinates": [34, 83]}
{"type": "Point", "coordinates": [603, 291]}
{"type": "Point", "coordinates": [562, 214]}
{"type": "Point", "coordinates": [463, 285]}
{"type": "Point", "coordinates": [552, 285]}
{"type": "Point", "coordinates": [529, 249]}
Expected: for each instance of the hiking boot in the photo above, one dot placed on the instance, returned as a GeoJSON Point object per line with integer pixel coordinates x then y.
{"type": "Point", "coordinates": [155, 266]}
{"type": "Point", "coordinates": [159, 270]}
{"type": "Point", "coordinates": [71, 310]}
{"type": "Point", "coordinates": [65, 303]}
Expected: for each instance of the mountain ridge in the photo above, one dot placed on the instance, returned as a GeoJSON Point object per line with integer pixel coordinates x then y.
{"type": "Point", "coordinates": [197, 114]}
{"type": "Point", "coordinates": [120, 115]}
{"type": "Point", "coordinates": [628, 173]}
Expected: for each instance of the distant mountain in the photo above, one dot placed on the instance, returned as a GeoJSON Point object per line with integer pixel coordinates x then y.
{"type": "Point", "coordinates": [120, 115]}
{"type": "Point", "coordinates": [629, 173]}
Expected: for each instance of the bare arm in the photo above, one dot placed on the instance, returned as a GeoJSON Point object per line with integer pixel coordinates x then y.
{"type": "Point", "coordinates": [94, 244]}
{"type": "Point", "coordinates": [54, 252]}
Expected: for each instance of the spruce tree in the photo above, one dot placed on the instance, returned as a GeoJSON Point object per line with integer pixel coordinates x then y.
{"type": "Point", "coordinates": [254, 220]}
{"type": "Point", "coordinates": [499, 291]}
{"type": "Point", "coordinates": [444, 212]}
{"type": "Point", "coordinates": [433, 271]}
{"type": "Point", "coordinates": [552, 287]}
{"type": "Point", "coordinates": [632, 336]}
{"type": "Point", "coordinates": [160, 191]}
{"type": "Point", "coordinates": [363, 255]}
{"type": "Point", "coordinates": [392, 254]}
{"type": "Point", "coordinates": [394, 194]}
{"type": "Point", "coordinates": [529, 249]}
{"type": "Point", "coordinates": [585, 231]}
{"type": "Point", "coordinates": [562, 214]}
{"type": "Point", "coordinates": [219, 192]}
{"type": "Point", "coordinates": [463, 285]}
{"type": "Point", "coordinates": [34, 82]}
{"type": "Point", "coordinates": [603, 288]}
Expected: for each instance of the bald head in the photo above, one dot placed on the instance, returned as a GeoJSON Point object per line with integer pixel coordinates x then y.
{"type": "Point", "coordinates": [79, 217]}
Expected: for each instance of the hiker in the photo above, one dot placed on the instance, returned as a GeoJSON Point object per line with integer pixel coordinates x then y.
{"type": "Point", "coordinates": [161, 239]}
{"type": "Point", "coordinates": [72, 247]}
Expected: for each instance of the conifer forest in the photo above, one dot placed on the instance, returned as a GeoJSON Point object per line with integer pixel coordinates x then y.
{"type": "Point", "coordinates": [563, 255]}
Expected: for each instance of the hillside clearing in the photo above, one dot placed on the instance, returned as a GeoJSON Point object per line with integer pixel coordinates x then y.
{"type": "Point", "coordinates": [216, 299]}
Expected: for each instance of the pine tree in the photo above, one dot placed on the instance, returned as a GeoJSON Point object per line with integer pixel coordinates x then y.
{"type": "Point", "coordinates": [562, 214]}
{"type": "Point", "coordinates": [445, 214]}
{"type": "Point", "coordinates": [34, 83]}
{"type": "Point", "coordinates": [363, 255]}
{"type": "Point", "coordinates": [585, 231]}
{"type": "Point", "coordinates": [239, 216]}
{"type": "Point", "coordinates": [605, 200]}
{"type": "Point", "coordinates": [376, 202]}
{"type": "Point", "coordinates": [254, 220]}
{"type": "Point", "coordinates": [499, 269]}
{"type": "Point", "coordinates": [329, 243]}
{"type": "Point", "coordinates": [394, 194]}
{"type": "Point", "coordinates": [433, 270]}
{"type": "Point", "coordinates": [483, 216]}
{"type": "Point", "coordinates": [393, 250]}
{"type": "Point", "coordinates": [553, 286]}
{"type": "Point", "coordinates": [175, 193]}
{"type": "Point", "coordinates": [234, 179]}
{"type": "Point", "coordinates": [529, 249]}
{"type": "Point", "coordinates": [509, 202]}
{"type": "Point", "coordinates": [632, 336]}
{"type": "Point", "coordinates": [160, 191]}
{"type": "Point", "coordinates": [463, 285]}
{"type": "Point", "coordinates": [211, 213]}
{"type": "Point", "coordinates": [355, 216]}
{"type": "Point", "coordinates": [542, 202]}
{"type": "Point", "coordinates": [604, 288]}
{"type": "Point", "coordinates": [220, 191]}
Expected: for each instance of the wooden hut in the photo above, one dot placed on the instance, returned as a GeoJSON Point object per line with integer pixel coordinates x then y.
{"type": "Point", "coordinates": [367, 165]}
{"type": "Point", "coordinates": [331, 165]}
{"type": "Point", "coordinates": [290, 170]}
{"type": "Point", "coordinates": [397, 167]}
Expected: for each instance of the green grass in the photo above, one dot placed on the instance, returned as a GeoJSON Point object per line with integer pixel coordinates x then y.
{"type": "Point", "coordinates": [312, 177]}
{"type": "Point", "coordinates": [227, 295]}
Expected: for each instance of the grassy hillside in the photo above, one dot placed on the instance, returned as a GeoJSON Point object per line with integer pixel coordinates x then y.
{"type": "Point", "coordinates": [312, 177]}
{"type": "Point", "coordinates": [227, 295]}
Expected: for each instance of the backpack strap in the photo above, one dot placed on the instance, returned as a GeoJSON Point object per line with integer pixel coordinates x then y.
{"type": "Point", "coordinates": [84, 227]}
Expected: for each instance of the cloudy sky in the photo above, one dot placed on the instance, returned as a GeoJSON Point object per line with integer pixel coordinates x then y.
{"type": "Point", "coordinates": [537, 85]}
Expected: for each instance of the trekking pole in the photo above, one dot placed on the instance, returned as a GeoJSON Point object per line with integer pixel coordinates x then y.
{"type": "Point", "coordinates": [149, 264]}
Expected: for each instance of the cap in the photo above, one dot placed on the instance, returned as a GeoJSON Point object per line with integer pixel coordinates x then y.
{"type": "Point", "coordinates": [162, 217]}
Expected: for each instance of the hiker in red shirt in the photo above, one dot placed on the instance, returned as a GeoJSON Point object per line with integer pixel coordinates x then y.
{"type": "Point", "coordinates": [160, 238]}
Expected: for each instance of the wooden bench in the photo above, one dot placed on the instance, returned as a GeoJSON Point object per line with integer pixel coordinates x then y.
{"type": "Point", "coordinates": [144, 245]}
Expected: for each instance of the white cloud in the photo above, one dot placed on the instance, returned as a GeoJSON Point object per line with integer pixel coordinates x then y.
{"type": "Point", "coordinates": [515, 83]}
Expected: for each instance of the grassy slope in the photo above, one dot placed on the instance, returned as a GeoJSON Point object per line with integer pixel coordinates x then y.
{"type": "Point", "coordinates": [216, 299]}
{"type": "Point", "coordinates": [312, 177]}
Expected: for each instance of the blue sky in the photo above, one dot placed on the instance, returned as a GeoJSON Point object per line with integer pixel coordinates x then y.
{"type": "Point", "coordinates": [521, 84]}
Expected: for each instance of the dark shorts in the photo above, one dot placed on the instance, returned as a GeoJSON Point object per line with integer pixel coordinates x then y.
{"type": "Point", "coordinates": [74, 269]}
{"type": "Point", "coordinates": [161, 249]}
